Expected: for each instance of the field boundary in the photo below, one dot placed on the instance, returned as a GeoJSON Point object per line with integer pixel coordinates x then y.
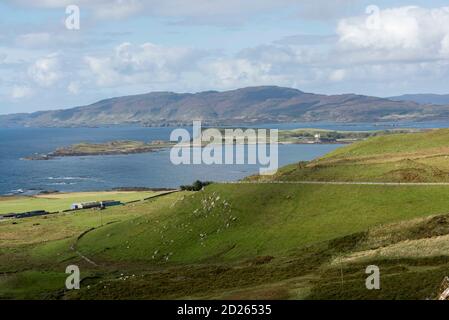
{"type": "Point", "coordinates": [161, 194]}
{"type": "Point", "coordinates": [342, 183]}
{"type": "Point", "coordinates": [78, 238]}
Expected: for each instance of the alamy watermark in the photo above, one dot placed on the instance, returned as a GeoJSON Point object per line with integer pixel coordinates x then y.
{"type": "Point", "coordinates": [226, 146]}
{"type": "Point", "coordinates": [73, 19]}
{"type": "Point", "coordinates": [373, 21]}
{"type": "Point", "coordinates": [372, 282]}
{"type": "Point", "coordinates": [72, 282]}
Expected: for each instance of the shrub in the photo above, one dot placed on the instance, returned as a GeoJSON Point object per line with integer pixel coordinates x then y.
{"type": "Point", "coordinates": [196, 186]}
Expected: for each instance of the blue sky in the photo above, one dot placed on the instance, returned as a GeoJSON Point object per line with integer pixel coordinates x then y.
{"type": "Point", "coordinates": [135, 46]}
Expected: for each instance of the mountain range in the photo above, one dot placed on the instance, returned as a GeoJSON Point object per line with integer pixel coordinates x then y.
{"type": "Point", "coordinates": [245, 105]}
{"type": "Point", "coordinates": [437, 99]}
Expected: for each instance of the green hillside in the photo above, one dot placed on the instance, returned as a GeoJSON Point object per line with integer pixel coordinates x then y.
{"type": "Point", "coordinates": [232, 222]}
{"type": "Point", "coordinates": [274, 241]}
{"type": "Point", "coordinates": [413, 143]}
{"type": "Point", "coordinates": [253, 240]}
{"type": "Point", "coordinates": [410, 157]}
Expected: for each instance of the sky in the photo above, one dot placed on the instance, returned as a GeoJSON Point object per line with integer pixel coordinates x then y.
{"type": "Point", "coordinates": [123, 47]}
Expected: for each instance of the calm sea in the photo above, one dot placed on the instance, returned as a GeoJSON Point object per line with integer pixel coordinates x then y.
{"type": "Point", "coordinates": [137, 170]}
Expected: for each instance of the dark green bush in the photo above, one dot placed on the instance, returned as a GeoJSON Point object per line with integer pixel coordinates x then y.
{"type": "Point", "coordinates": [196, 186]}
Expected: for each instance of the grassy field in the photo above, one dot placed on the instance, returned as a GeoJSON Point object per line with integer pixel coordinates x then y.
{"type": "Point", "coordinates": [411, 157]}
{"type": "Point", "coordinates": [234, 222]}
{"type": "Point", "coordinates": [63, 201]}
{"type": "Point", "coordinates": [35, 251]}
{"type": "Point", "coordinates": [253, 241]}
{"type": "Point", "coordinates": [412, 143]}
{"type": "Point", "coordinates": [228, 241]}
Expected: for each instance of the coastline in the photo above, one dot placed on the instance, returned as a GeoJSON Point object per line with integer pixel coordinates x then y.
{"type": "Point", "coordinates": [56, 154]}
{"type": "Point", "coordinates": [93, 173]}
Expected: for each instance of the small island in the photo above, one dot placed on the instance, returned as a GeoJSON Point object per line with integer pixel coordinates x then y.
{"type": "Point", "coordinates": [100, 149]}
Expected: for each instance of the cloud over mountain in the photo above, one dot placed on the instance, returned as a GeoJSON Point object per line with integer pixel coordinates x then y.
{"type": "Point", "coordinates": [133, 46]}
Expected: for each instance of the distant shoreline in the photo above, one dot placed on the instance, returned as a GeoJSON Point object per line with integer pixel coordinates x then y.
{"type": "Point", "coordinates": [44, 193]}
{"type": "Point", "coordinates": [295, 136]}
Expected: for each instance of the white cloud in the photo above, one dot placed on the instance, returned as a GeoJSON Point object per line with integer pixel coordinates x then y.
{"type": "Point", "coordinates": [31, 40]}
{"type": "Point", "coordinates": [192, 11]}
{"type": "Point", "coordinates": [20, 92]}
{"type": "Point", "coordinates": [74, 87]}
{"type": "Point", "coordinates": [325, 9]}
{"type": "Point", "coordinates": [103, 71]}
{"type": "Point", "coordinates": [337, 75]}
{"type": "Point", "coordinates": [404, 33]}
{"type": "Point", "coordinates": [147, 63]}
{"type": "Point", "coordinates": [235, 72]}
{"type": "Point", "coordinates": [445, 47]}
{"type": "Point", "coordinates": [278, 54]}
{"type": "Point", "coordinates": [53, 39]}
{"type": "Point", "coordinates": [45, 71]}
{"type": "Point", "coordinates": [119, 9]}
{"type": "Point", "coordinates": [408, 48]}
{"type": "Point", "coordinates": [105, 9]}
{"type": "Point", "coordinates": [189, 69]}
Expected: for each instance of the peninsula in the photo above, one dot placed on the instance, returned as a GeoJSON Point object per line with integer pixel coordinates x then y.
{"type": "Point", "coordinates": [98, 149]}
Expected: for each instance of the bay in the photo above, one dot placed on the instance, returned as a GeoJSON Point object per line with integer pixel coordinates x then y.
{"type": "Point", "coordinates": [155, 169]}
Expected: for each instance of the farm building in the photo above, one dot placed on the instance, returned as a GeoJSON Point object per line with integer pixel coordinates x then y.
{"type": "Point", "coordinates": [8, 215]}
{"type": "Point", "coordinates": [95, 204]}
{"type": "Point", "coordinates": [32, 214]}
{"type": "Point", "coordinates": [110, 203]}
{"type": "Point", "coordinates": [86, 205]}
{"type": "Point", "coordinates": [25, 214]}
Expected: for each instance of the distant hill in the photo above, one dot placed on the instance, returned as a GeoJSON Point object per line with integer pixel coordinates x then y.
{"type": "Point", "coordinates": [438, 99]}
{"type": "Point", "coordinates": [246, 105]}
